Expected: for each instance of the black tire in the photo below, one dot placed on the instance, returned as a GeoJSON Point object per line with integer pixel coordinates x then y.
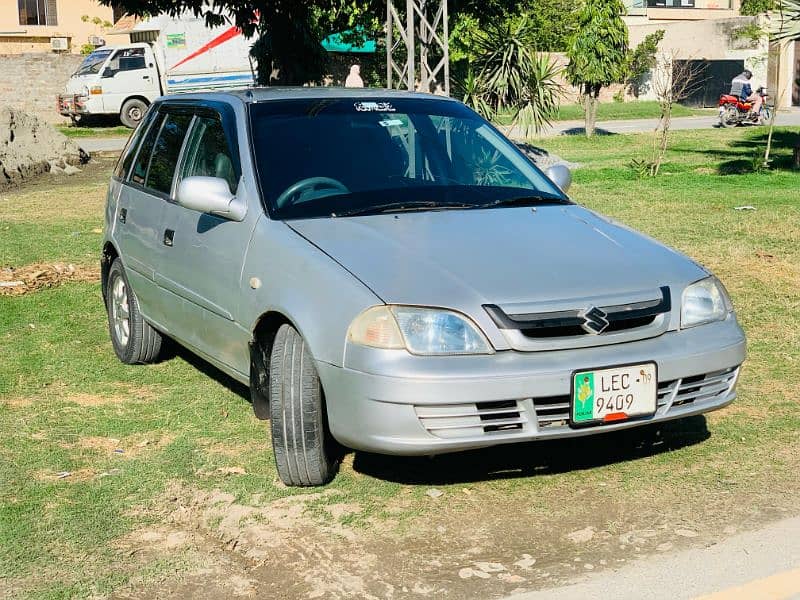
{"type": "Point", "coordinates": [142, 344]}
{"type": "Point", "coordinates": [729, 117]}
{"type": "Point", "coordinates": [132, 112]}
{"type": "Point", "coordinates": [305, 452]}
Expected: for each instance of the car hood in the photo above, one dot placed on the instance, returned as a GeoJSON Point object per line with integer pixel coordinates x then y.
{"type": "Point", "coordinates": [78, 84]}
{"type": "Point", "coordinates": [463, 258]}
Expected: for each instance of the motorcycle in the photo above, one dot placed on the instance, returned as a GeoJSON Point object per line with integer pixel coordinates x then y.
{"type": "Point", "coordinates": [734, 111]}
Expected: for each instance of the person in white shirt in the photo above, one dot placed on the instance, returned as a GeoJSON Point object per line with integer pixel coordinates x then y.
{"type": "Point", "coordinates": [354, 78]}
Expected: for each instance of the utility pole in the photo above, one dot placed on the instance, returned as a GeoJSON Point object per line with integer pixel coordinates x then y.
{"type": "Point", "coordinates": [417, 40]}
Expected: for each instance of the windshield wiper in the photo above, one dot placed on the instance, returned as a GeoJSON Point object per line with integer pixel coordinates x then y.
{"type": "Point", "coordinates": [526, 200]}
{"type": "Point", "coordinates": [398, 207]}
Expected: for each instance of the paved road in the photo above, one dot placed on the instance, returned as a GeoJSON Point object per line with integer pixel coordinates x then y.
{"type": "Point", "coordinates": [639, 125]}
{"type": "Point", "coordinates": [750, 566]}
{"type": "Point", "coordinates": [102, 144]}
{"type": "Point", "coordinates": [116, 144]}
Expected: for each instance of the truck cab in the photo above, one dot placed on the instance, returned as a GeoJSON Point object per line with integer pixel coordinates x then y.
{"type": "Point", "coordinates": [120, 80]}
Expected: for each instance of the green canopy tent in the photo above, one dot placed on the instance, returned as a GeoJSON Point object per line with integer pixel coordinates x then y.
{"type": "Point", "coordinates": [336, 43]}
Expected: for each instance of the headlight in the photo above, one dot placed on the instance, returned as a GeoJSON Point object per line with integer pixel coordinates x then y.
{"type": "Point", "coordinates": [704, 302]}
{"type": "Point", "coordinates": [423, 331]}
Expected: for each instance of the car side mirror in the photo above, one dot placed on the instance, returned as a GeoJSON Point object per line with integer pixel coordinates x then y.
{"type": "Point", "coordinates": [561, 176]}
{"type": "Point", "coordinates": [211, 195]}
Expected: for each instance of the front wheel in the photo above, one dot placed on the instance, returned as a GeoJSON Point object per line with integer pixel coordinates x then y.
{"type": "Point", "coordinates": [766, 115]}
{"type": "Point", "coordinates": [305, 452]}
{"type": "Point", "coordinates": [132, 112]}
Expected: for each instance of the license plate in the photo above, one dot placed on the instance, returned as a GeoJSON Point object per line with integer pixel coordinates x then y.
{"type": "Point", "coordinates": [613, 394]}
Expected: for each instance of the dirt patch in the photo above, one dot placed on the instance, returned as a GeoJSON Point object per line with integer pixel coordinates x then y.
{"type": "Point", "coordinates": [77, 476]}
{"type": "Point", "coordinates": [126, 394]}
{"type": "Point", "coordinates": [30, 147]}
{"type": "Point", "coordinates": [229, 449]}
{"type": "Point", "coordinates": [16, 281]}
{"type": "Point", "coordinates": [129, 447]}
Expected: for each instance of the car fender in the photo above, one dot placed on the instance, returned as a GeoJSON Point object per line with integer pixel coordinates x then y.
{"type": "Point", "coordinates": [285, 273]}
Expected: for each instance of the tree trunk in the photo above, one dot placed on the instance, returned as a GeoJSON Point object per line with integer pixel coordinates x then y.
{"type": "Point", "coordinates": [590, 111]}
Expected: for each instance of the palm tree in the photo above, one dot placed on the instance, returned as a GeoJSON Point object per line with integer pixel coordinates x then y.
{"type": "Point", "coordinates": [512, 76]}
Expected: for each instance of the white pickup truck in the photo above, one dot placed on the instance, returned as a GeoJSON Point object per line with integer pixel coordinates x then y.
{"type": "Point", "coordinates": [170, 55]}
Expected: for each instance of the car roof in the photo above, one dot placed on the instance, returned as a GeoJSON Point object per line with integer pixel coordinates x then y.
{"type": "Point", "coordinates": [267, 94]}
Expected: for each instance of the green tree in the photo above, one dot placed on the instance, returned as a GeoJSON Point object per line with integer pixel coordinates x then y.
{"type": "Point", "coordinates": [642, 59]}
{"type": "Point", "coordinates": [511, 75]}
{"type": "Point", "coordinates": [757, 7]}
{"type": "Point", "coordinates": [598, 53]}
{"type": "Point", "coordinates": [552, 23]}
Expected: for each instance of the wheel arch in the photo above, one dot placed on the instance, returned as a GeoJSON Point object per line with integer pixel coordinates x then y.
{"type": "Point", "coordinates": [261, 341]}
{"type": "Point", "coordinates": [135, 97]}
{"type": "Point", "coordinates": [107, 258]}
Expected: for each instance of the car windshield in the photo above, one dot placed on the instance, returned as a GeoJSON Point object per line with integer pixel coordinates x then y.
{"type": "Point", "coordinates": [92, 63]}
{"type": "Point", "coordinates": [336, 157]}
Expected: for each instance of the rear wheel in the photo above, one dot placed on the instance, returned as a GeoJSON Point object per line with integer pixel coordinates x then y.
{"type": "Point", "coordinates": [305, 452]}
{"type": "Point", "coordinates": [132, 112]}
{"type": "Point", "coordinates": [729, 117]}
{"type": "Point", "coordinates": [134, 340]}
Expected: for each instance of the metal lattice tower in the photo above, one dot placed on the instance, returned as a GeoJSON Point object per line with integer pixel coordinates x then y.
{"type": "Point", "coordinates": [422, 32]}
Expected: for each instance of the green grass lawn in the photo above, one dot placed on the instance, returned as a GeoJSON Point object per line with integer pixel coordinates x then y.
{"type": "Point", "coordinates": [617, 111]}
{"type": "Point", "coordinates": [74, 131]}
{"type": "Point", "coordinates": [133, 439]}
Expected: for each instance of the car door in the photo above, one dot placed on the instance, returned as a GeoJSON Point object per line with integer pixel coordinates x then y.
{"type": "Point", "coordinates": [208, 252]}
{"type": "Point", "coordinates": [129, 72]}
{"type": "Point", "coordinates": [141, 208]}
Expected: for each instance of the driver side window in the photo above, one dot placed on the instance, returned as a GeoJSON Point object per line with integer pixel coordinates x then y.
{"type": "Point", "coordinates": [128, 59]}
{"type": "Point", "coordinates": [208, 153]}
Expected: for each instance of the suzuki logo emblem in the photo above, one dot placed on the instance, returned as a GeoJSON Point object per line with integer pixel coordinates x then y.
{"type": "Point", "coordinates": [595, 320]}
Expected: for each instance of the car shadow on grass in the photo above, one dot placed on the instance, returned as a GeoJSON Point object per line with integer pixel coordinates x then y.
{"type": "Point", "coordinates": [175, 350]}
{"type": "Point", "coordinates": [535, 458]}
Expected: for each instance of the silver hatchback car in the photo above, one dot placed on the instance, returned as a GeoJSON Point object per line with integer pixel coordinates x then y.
{"type": "Point", "coordinates": [387, 272]}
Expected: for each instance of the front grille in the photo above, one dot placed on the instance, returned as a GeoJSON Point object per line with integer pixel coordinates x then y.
{"type": "Point", "coordinates": [565, 323]}
{"type": "Point", "coordinates": [703, 388]}
{"type": "Point", "coordinates": [466, 420]}
{"type": "Point", "coordinates": [581, 323]}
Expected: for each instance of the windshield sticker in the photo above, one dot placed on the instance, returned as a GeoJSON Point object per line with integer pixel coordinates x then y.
{"type": "Point", "coordinates": [392, 123]}
{"type": "Point", "coordinates": [374, 107]}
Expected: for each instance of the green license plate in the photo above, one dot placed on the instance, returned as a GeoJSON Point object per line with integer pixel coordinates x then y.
{"type": "Point", "coordinates": [613, 394]}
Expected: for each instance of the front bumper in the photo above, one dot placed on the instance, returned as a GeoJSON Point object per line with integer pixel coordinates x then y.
{"type": "Point", "coordinates": [69, 105]}
{"type": "Point", "coordinates": [390, 402]}
{"type": "Point", "coordinates": [72, 105]}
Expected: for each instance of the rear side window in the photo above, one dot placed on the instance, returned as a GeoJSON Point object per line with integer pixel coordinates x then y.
{"type": "Point", "coordinates": [208, 153]}
{"type": "Point", "coordinates": [166, 151]}
{"type": "Point", "coordinates": [129, 153]}
{"type": "Point", "coordinates": [146, 150]}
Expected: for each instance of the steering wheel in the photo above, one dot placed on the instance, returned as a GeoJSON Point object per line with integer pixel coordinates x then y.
{"type": "Point", "coordinates": [327, 185]}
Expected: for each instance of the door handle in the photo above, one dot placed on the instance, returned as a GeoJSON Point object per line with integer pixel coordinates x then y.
{"type": "Point", "coordinates": [169, 236]}
{"type": "Point", "coordinates": [123, 215]}
{"type": "Point", "coordinates": [146, 77]}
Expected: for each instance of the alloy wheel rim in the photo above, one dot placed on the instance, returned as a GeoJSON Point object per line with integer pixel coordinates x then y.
{"type": "Point", "coordinates": [120, 311]}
